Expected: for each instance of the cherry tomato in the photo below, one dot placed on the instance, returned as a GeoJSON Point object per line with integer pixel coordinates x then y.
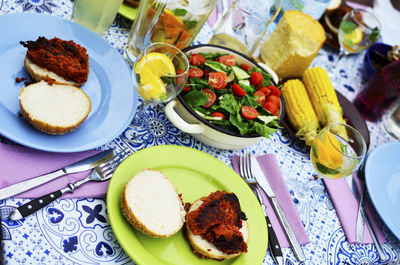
{"type": "Point", "coordinates": [245, 67]}
{"type": "Point", "coordinates": [260, 97]}
{"type": "Point", "coordinates": [249, 112]}
{"type": "Point", "coordinates": [238, 90]}
{"type": "Point", "coordinates": [197, 59]}
{"type": "Point", "coordinates": [211, 97]}
{"type": "Point", "coordinates": [206, 72]}
{"type": "Point", "coordinates": [271, 107]}
{"type": "Point", "coordinates": [218, 114]}
{"type": "Point", "coordinates": [274, 99]}
{"type": "Point", "coordinates": [256, 78]}
{"type": "Point", "coordinates": [195, 72]}
{"type": "Point", "coordinates": [181, 79]}
{"type": "Point", "coordinates": [275, 91]}
{"type": "Point", "coordinates": [228, 60]}
{"type": "Point", "coordinates": [217, 80]}
{"type": "Point", "coordinates": [265, 90]}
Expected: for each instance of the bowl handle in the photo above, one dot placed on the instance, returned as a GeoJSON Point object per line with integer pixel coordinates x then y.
{"type": "Point", "coordinates": [179, 123]}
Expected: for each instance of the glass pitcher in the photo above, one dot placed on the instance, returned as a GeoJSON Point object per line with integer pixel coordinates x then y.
{"type": "Point", "coordinates": [176, 22]}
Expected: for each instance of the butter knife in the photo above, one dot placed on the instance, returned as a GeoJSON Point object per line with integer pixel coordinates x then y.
{"type": "Point", "coordinates": [82, 165]}
{"type": "Point", "coordinates": [262, 181]}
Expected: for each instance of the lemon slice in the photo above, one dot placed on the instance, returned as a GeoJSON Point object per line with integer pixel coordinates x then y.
{"type": "Point", "coordinates": [355, 36]}
{"type": "Point", "coordinates": [151, 68]}
{"type": "Point", "coordinates": [158, 62]}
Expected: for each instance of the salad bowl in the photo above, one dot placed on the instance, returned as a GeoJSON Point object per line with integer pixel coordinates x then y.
{"type": "Point", "coordinates": [190, 121]}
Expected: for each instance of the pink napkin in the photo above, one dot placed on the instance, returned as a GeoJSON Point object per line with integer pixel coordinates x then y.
{"type": "Point", "coordinates": [273, 174]}
{"type": "Point", "coordinates": [19, 163]}
{"type": "Point", "coordinates": [346, 208]}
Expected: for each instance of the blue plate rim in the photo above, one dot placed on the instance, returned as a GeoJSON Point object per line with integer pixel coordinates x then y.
{"type": "Point", "coordinates": [97, 142]}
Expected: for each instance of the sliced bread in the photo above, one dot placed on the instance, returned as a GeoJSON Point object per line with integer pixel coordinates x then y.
{"type": "Point", "coordinates": [54, 109]}
{"type": "Point", "coordinates": [206, 249]}
{"type": "Point", "coordinates": [39, 73]}
{"type": "Point", "coordinates": [152, 205]}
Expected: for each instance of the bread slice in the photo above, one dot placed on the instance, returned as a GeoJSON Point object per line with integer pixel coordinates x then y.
{"type": "Point", "coordinates": [152, 204]}
{"type": "Point", "coordinates": [54, 109]}
{"type": "Point", "coordinates": [206, 249]}
{"type": "Point", "coordinates": [39, 73]}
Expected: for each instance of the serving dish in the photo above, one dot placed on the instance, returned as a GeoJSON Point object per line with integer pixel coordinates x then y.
{"type": "Point", "coordinates": [109, 85]}
{"type": "Point", "coordinates": [188, 121]}
{"type": "Point", "coordinates": [382, 176]}
{"type": "Point", "coordinates": [350, 115]}
{"type": "Point", "coordinates": [194, 174]}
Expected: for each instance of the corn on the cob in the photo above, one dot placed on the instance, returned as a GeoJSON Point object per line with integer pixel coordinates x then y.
{"type": "Point", "coordinates": [323, 97]}
{"type": "Point", "coordinates": [300, 111]}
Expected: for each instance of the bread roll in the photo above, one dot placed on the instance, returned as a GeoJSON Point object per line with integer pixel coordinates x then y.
{"type": "Point", "coordinates": [152, 205]}
{"type": "Point", "coordinates": [54, 109]}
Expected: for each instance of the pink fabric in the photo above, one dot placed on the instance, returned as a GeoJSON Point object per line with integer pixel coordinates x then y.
{"type": "Point", "coordinates": [273, 174]}
{"type": "Point", "coordinates": [19, 163]}
{"type": "Point", "coordinates": [347, 208]}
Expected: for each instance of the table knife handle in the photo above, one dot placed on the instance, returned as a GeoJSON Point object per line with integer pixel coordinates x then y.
{"type": "Point", "coordinates": [298, 252]}
{"type": "Point", "coordinates": [28, 184]}
{"type": "Point", "coordinates": [378, 244]}
{"type": "Point", "coordinates": [39, 203]}
{"type": "Point", "coordinates": [273, 242]}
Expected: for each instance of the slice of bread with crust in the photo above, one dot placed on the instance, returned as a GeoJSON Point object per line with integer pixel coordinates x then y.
{"type": "Point", "coordinates": [207, 249]}
{"type": "Point", "coordinates": [54, 109]}
{"type": "Point", "coordinates": [152, 205]}
{"type": "Point", "coordinates": [39, 73]}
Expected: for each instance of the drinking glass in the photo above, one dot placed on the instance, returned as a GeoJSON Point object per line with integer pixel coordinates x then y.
{"type": "Point", "coordinates": [97, 15]}
{"type": "Point", "coordinates": [337, 151]}
{"type": "Point", "coordinates": [244, 25]}
{"type": "Point", "coordinates": [358, 30]}
{"type": "Point", "coordinates": [160, 72]}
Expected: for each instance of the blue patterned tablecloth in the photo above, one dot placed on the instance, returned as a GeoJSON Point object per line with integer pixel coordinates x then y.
{"type": "Point", "coordinates": [77, 231]}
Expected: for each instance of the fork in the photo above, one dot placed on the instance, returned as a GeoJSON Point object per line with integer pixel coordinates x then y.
{"type": "Point", "coordinates": [100, 173]}
{"type": "Point", "coordinates": [273, 243]}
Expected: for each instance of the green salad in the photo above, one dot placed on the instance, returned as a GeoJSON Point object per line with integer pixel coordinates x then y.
{"type": "Point", "coordinates": [238, 98]}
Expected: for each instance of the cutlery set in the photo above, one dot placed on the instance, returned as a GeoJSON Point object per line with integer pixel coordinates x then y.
{"type": "Point", "coordinates": [102, 164]}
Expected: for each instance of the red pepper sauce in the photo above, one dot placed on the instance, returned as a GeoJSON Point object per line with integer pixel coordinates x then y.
{"type": "Point", "coordinates": [218, 220]}
{"type": "Point", "coordinates": [65, 58]}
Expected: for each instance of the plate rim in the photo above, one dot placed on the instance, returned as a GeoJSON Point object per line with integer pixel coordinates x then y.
{"type": "Point", "coordinates": [177, 148]}
{"type": "Point", "coordinates": [395, 229]}
{"type": "Point", "coordinates": [96, 142]}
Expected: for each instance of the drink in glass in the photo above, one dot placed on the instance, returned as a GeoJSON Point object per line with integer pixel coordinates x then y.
{"type": "Point", "coordinates": [175, 22]}
{"type": "Point", "coordinates": [160, 72]}
{"type": "Point", "coordinates": [379, 93]}
{"type": "Point", "coordinates": [96, 15]}
{"type": "Point", "coordinates": [337, 151]}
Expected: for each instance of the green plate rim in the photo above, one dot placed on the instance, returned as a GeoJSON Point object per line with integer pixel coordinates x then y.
{"type": "Point", "coordinates": [258, 235]}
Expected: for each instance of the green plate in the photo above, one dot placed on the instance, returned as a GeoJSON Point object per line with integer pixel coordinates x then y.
{"type": "Point", "coordinates": [128, 11]}
{"type": "Point", "coordinates": [194, 174]}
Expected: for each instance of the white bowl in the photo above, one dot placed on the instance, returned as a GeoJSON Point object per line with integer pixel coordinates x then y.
{"type": "Point", "coordinates": [188, 121]}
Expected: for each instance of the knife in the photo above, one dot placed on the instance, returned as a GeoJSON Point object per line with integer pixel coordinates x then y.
{"type": "Point", "coordinates": [360, 199]}
{"type": "Point", "coordinates": [82, 165]}
{"type": "Point", "coordinates": [262, 181]}
{"type": "Point", "coordinates": [273, 243]}
{"type": "Point", "coordinates": [378, 244]}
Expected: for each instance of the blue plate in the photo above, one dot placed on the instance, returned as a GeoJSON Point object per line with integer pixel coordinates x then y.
{"type": "Point", "coordinates": [382, 173]}
{"type": "Point", "coordinates": [109, 85]}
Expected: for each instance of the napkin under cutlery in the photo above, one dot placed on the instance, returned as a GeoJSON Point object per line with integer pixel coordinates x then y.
{"type": "Point", "coordinates": [346, 207]}
{"type": "Point", "coordinates": [18, 163]}
{"type": "Point", "coordinates": [273, 174]}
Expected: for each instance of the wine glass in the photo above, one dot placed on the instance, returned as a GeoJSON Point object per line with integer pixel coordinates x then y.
{"type": "Point", "coordinates": [337, 151]}
{"type": "Point", "coordinates": [160, 72]}
{"type": "Point", "coordinates": [358, 30]}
